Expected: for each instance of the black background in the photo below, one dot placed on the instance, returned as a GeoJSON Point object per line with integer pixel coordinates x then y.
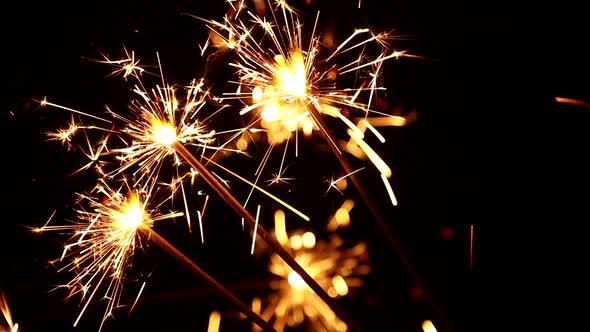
{"type": "Point", "coordinates": [456, 166]}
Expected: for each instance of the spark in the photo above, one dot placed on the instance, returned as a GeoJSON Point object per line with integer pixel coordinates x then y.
{"type": "Point", "coordinates": [427, 326]}
{"type": "Point", "coordinates": [255, 229]}
{"type": "Point", "coordinates": [214, 321]}
{"type": "Point", "coordinates": [64, 135]}
{"type": "Point", "coordinates": [288, 79]}
{"type": "Point", "coordinates": [127, 66]}
{"type": "Point", "coordinates": [5, 310]}
{"type": "Point", "coordinates": [341, 217]}
{"type": "Point", "coordinates": [572, 101]}
{"type": "Point", "coordinates": [104, 238]}
{"type": "Point", "coordinates": [335, 183]}
{"type": "Point", "coordinates": [471, 247]}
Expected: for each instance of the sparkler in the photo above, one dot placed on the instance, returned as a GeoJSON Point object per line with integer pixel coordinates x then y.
{"type": "Point", "coordinates": [160, 128]}
{"type": "Point", "coordinates": [292, 85]}
{"type": "Point", "coordinates": [105, 237]}
{"type": "Point", "coordinates": [336, 269]}
{"type": "Point", "coordinates": [5, 310]}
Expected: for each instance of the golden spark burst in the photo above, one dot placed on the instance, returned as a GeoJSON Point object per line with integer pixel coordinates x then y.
{"type": "Point", "coordinates": [291, 84]}
{"type": "Point", "coordinates": [5, 310]}
{"type": "Point", "coordinates": [147, 130]}
{"type": "Point", "coordinates": [334, 267]}
{"type": "Point", "coordinates": [104, 238]}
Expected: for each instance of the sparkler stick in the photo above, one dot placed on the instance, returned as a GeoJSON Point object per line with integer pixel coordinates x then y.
{"type": "Point", "coordinates": [275, 246]}
{"type": "Point", "coordinates": [196, 270]}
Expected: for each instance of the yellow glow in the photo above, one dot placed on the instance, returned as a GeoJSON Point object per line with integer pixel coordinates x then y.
{"type": "Point", "coordinates": [6, 314]}
{"type": "Point", "coordinates": [373, 156]}
{"type": "Point", "coordinates": [384, 121]}
{"type": "Point", "coordinates": [308, 240]}
{"type": "Point", "coordinates": [280, 228]}
{"type": "Point", "coordinates": [342, 217]}
{"type": "Point", "coordinates": [340, 285]}
{"type": "Point", "coordinates": [291, 76]}
{"type": "Point", "coordinates": [131, 214]}
{"type": "Point", "coordinates": [271, 113]}
{"type": "Point", "coordinates": [342, 184]}
{"type": "Point", "coordinates": [214, 321]}
{"type": "Point", "coordinates": [257, 94]}
{"type": "Point", "coordinates": [427, 326]}
{"type": "Point", "coordinates": [307, 127]}
{"type": "Point", "coordinates": [163, 133]}
{"type": "Point", "coordinates": [295, 280]}
{"type": "Point", "coordinates": [296, 242]}
{"type": "Point", "coordinates": [242, 144]}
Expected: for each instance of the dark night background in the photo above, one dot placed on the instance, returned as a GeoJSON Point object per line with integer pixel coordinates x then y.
{"type": "Point", "coordinates": [455, 166]}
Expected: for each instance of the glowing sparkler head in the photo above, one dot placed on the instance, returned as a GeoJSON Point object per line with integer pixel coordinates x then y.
{"type": "Point", "coordinates": [130, 215]}
{"type": "Point", "coordinates": [283, 108]}
{"type": "Point", "coordinates": [291, 78]}
{"type": "Point", "coordinates": [295, 280]}
{"type": "Point", "coordinates": [163, 133]}
{"type": "Point", "coordinates": [105, 237]}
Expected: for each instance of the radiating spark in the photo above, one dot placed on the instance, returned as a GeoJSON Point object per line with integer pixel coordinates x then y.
{"type": "Point", "coordinates": [572, 101]}
{"type": "Point", "coordinates": [389, 189]}
{"type": "Point", "coordinates": [127, 66]}
{"type": "Point", "coordinates": [471, 247]}
{"type": "Point", "coordinates": [373, 156]}
{"type": "Point", "coordinates": [255, 230]}
{"type": "Point", "coordinates": [201, 226]}
{"type": "Point", "coordinates": [285, 75]}
{"type": "Point", "coordinates": [214, 321]}
{"type": "Point", "coordinates": [5, 310]}
{"type": "Point", "coordinates": [341, 217]}
{"type": "Point", "coordinates": [275, 198]}
{"type": "Point", "coordinates": [336, 269]}
{"type": "Point", "coordinates": [280, 227]}
{"type": "Point", "coordinates": [427, 326]}
{"type": "Point", "coordinates": [334, 183]}
{"type": "Point", "coordinates": [64, 135]}
{"type": "Point", "coordinates": [104, 238]}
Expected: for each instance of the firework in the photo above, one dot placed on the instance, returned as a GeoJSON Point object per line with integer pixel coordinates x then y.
{"type": "Point", "coordinates": [335, 268]}
{"type": "Point", "coordinates": [289, 84]}
{"type": "Point", "coordinates": [5, 310]}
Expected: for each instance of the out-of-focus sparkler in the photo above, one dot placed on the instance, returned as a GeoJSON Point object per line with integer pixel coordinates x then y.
{"type": "Point", "coordinates": [5, 310]}
{"type": "Point", "coordinates": [291, 84]}
{"type": "Point", "coordinates": [109, 230]}
{"type": "Point", "coordinates": [336, 269]}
